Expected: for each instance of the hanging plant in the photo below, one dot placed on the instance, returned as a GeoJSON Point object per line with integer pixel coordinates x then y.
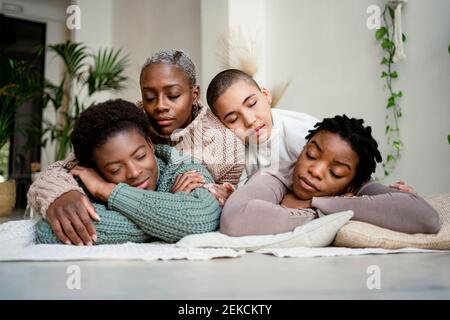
{"type": "Point", "coordinates": [386, 37]}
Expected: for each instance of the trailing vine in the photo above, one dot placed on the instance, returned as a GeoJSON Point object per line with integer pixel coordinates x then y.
{"type": "Point", "coordinates": [385, 35]}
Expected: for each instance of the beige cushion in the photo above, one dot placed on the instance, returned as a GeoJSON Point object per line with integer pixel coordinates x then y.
{"type": "Point", "coordinates": [357, 234]}
{"type": "Point", "coordinates": [317, 233]}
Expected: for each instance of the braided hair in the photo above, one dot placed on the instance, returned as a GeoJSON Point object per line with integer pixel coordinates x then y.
{"type": "Point", "coordinates": [360, 139]}
{"type": "Point", "coordinates": [101, 121]}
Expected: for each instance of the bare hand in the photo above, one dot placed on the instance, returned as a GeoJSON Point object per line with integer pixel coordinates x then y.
{"type": "Point", "coordinates": [221, 191]}
{"type": "Point", "coordinates": [402, 186]}
{"type": "Point", "coordinates": [95, 183]}
{"type": "Point", "coordinates": [187, 182]}
{"type": "Point", "coordinates": [291, 201]}
{"type": "Point", "coordinates": [70, 218]}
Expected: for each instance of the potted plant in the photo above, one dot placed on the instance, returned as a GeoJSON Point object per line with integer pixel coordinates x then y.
{"type": "Point", "coordinates": [86, 73]}
{"type": "Point", "coordinates": [17, 85]}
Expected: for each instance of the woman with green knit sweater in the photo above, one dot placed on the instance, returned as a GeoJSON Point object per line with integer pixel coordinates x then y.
{"type": "Point", "coordinates": [140, 191]}
{"type": "Point", "coordinates": [170, 99]}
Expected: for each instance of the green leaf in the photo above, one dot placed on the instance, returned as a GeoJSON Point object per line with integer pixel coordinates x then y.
{"type": "Point", "coordinates": [384, 74]}
{"type": "Point", "coordinates": [386, 173]}
{"type": "Point", "coordinates": [403, 37]}
{"type": "Point", "coordinates": [449, 49]}
{"type": "Point", "coordinates": [386, 44]}
{"type": "Point", "coordinates": [448, 138]}
{"type": "Point", "coordinates": [399, 94]}
{"type": "Point", "coordinates": [78, 108]}
{"type": "Point", "coordinates": [390, 157]}
{"type": "Point", "coordinates": [397, 145]}
{"type": "Point", "coordinates": [387, 129]}
{"type": "Point", "coordinates": [107, 71]}
{"type": "Point", "coordinates": [391, 102]}
{"type": "Point", "coordinates": [380, 33]}
{"type": "Point", "coordinates": [384, 61]}
{"type": "Point", "coordinates": [73, 54]}
{"type": "Point", "coordinates": [394, 75]}
{"type": "Point", "coordinates": [18, 84]}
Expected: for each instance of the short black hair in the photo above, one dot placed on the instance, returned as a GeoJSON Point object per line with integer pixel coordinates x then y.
{"type": "Point", "coordinates": [101, 121]}
{"type": "Point", "coordinates": [360, 139]}
{"type": "Point", "coordinates": [222, 81]}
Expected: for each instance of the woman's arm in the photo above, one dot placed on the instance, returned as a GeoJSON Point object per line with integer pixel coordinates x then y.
{"type": "Point", "coordinates": [385, 207]}
{"type": "Point", "coordinates": [113, 228]}
{"type": "Point", "coordinates": [223, 153]}
{"type": "Point", "coordinates": [254, 209]}
{"type": "Point", "coordinates": [51, 183]}
{"type": "Point", "coordinates": [164, 215]}
{"type": "Point", "coordinates": [56, 196]}
{"type": "Point", "coordinates": [160, 214]}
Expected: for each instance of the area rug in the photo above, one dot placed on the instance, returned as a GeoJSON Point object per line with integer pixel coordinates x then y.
{"type": "Point", "coordinates": [17, 244]}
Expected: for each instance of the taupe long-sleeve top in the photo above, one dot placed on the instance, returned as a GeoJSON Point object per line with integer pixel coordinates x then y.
{"type": "Point", "coordinates": [254, 209]}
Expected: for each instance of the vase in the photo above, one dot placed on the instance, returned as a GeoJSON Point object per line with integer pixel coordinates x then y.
{"type": "Point", "coordinates": [7, 197]}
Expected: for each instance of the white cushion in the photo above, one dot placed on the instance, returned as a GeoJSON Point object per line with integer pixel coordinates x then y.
{"type": "Point", "coordinates": [317, 233]}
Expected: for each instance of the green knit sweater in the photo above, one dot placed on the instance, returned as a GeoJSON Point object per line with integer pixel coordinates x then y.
{"type": "Point", "coordinates": [142, 215]}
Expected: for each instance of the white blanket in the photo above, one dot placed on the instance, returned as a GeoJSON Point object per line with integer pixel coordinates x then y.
{"type": "Point", "coordinates": [17, 243]}
{"type": "Point", "coordinates": [302, 252]}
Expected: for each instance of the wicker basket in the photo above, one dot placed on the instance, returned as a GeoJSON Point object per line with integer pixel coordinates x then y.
{"type": "Point", "coordinates": [7, 197]}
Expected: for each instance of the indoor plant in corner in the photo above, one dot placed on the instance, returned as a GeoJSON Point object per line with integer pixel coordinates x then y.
{"type": "Point", "coordinates": [17, 85]}
{"type": "Point", "coordinates": [86, 73]}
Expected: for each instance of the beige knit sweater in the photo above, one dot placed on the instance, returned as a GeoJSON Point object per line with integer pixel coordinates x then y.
{"type": "Point", "coordinates": [205, 138]}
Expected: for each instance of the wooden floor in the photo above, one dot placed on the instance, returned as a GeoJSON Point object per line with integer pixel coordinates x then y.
{"type": "Point", "coordinates": [253, 276]}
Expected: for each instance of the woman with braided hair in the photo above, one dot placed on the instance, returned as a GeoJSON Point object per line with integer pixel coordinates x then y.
{"type": "Point", "coordinates": [332, 174]}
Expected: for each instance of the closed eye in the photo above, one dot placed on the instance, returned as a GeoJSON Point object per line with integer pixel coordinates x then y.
{"type": "Point", "coordinates": [310, 156]}
{"type": "Point", "coordinates": [335, 175]}
{"type": "Point", "coordinates": [116, 171]}
{"type": "Point", "coordinates": [142, 156]}
{"type": "Point", "coordinates": [231, 118]}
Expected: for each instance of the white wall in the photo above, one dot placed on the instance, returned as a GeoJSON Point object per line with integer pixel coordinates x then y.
{"type": "Point", "coordinates": [142, 27]}
{"type": "Point", "coordinates": [218, 18]}
{"type": "Point", "coordinates": [332, 58]}
{"type": "Point", "coordinates": [96, 23]}
{"type": "Point", "coordinates": [214, 23]}
{"type": "Point", "coordinates": [95, 32]}
{"type": "Point", "coordinates": [322, 46]}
